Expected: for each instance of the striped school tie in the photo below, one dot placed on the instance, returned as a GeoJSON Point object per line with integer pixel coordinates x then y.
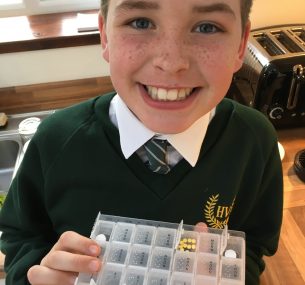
{"type": "Point", "coordinates": [156, 153]}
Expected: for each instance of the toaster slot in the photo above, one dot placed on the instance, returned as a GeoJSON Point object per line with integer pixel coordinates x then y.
{"type": "Point", "coordinates": [300, 33]}
{"type": "Point", "coordinates": [287, 42]}
{"type": "Point", "coordinates": [266, 42]}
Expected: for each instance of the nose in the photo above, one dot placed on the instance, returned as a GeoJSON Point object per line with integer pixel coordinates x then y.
{"type": "Point", "coordinates": [171, 55]}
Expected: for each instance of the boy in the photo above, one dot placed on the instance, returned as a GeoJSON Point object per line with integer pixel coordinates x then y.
{"type": "Point", "coordinates": [171, 63]}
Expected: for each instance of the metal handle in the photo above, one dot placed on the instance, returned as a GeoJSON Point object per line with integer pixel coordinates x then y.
{"type": "Point", "coordinates": [297, 79]}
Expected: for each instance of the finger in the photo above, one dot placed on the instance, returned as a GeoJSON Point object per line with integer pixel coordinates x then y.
{"type": "Point", "coordinates": [74, 242]}
{"type": "Point", "coordinates": [201, 227]}
{"type": "Point", "coordinates": [67, 261]}
{"type": "Point", "coordinates": [40, 275]}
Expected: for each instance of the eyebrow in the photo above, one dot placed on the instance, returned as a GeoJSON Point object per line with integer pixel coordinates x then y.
{"type": "Point", "coordinates": [217, 7]}
{"type": "Point", "coordinates": [133, 5]}
{"type": "Point", "coordinates": [147, 5]}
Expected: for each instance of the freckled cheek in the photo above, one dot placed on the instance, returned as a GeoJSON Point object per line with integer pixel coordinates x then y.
{"type": "Point", "coordinates": [128, 50]}
{"type": "Point", "coordinates": [214, 57]}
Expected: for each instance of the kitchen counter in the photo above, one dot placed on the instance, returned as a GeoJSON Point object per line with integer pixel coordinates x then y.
{"type": "Point", "coordinates": [286, 266]}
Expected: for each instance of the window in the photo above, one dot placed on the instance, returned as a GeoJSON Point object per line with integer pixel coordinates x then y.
{"type": "Point", "coordinates": [32, 7]}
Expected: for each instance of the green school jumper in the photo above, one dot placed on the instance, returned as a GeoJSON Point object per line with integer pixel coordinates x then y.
{"type": "Point", "coordinates": [74, 168]}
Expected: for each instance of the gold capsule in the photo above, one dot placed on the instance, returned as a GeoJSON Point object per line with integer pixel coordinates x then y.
{"type": "Point", "coordinates": [187, 244]}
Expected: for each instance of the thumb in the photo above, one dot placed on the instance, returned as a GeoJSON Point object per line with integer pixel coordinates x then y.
{"type": "Point", "coordinates": [201, 227]}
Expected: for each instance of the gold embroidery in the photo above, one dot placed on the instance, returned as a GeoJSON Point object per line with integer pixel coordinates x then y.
{"type": "Point", "coordinates": [223, 212]}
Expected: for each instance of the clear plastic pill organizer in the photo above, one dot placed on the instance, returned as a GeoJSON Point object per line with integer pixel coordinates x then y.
{"type": "Point", "coordinates": [144, 252]}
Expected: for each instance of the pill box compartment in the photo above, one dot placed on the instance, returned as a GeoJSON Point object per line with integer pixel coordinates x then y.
{"type": "Point", "coordinates": [144, 252]}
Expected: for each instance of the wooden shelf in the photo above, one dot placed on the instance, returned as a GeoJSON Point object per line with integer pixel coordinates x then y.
{"type": "Point", "coordinates": [48, 31]}
{"type": "Point", "coordinates": [48, 96]}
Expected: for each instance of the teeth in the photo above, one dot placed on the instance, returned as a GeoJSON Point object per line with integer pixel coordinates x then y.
{"type": "Point", "coordinates": [181, 94]}
{"type": "Point", "coordinates": [154, 92]}
{"type": "Point", "coordinates": [161, 94]}
{"type": "Point", "coordinates": [172, 95]}
{"type": "Point", "coordinates": [168, 95]}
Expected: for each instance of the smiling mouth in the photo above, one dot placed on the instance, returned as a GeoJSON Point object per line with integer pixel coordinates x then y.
{"type": "Point", "coordinates": [161, 94]}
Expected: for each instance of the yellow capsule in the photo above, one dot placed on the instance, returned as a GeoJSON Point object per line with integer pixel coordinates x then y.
{"type": "Point", "coordinates": [189, 246]}
{"type": "Point", "coordinates": [185, 245]}
{"type": "Point", "coordinates": [193, 240]}
{"type": "Point", "coordinates": [193, 246]}
{"type": "Point", "coordinates": [189, 240]}
{"type": "Point", "coordinates": [184, 240]}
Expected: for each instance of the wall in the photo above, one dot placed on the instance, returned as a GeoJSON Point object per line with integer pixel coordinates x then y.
{"type": "Point", "coordinates": [85, 62]}
{"type": "Point", "coordinates": [52, 65]}
{"type": "Point", "coordinates": [276, 12]}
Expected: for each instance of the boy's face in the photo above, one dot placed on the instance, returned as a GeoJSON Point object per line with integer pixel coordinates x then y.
{"type": "Point", "coordinates": [172, 61]}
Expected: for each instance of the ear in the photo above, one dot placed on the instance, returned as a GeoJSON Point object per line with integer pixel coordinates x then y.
{"type": "Point", "coordinates": [103, 36]}
{"type": "Point", "coordinates": [243, 46]}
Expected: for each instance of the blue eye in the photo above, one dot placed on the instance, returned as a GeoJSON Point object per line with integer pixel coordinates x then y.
{"type": "Point", "coordinates": [207, 28]}
{"type": "Point", "coordinates": [141, 24]}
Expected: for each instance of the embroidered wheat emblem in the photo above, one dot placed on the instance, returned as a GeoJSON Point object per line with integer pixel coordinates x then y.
{"type": "Point", "coordinates": [209, 213]}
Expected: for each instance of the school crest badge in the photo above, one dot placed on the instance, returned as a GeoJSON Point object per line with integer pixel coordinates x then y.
{"type": "Point", "coordinates": [217, 216]}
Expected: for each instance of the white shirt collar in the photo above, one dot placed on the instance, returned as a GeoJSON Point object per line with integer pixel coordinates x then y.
{"type": "Point", "coordinates": [133, 134]}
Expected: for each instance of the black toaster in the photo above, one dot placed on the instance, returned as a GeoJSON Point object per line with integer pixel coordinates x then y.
{"type": "Point", "coordinates": [272, 78]}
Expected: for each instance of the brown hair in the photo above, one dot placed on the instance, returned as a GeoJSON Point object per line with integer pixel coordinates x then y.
{"type": "Point", "coordinates": [245, 7]}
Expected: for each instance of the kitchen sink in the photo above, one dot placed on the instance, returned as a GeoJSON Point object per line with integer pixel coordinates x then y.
{"type": "Point", "coordinates": [16, 119]}
{"type": "Point", "coordinates": [10, 149]}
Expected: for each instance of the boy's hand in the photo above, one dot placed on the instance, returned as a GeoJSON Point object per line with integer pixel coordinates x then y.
{"type": "Point", "coordinates": [71, 255]}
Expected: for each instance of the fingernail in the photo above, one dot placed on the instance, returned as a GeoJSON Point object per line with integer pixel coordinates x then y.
{"type": "Point", "coordinates": [94, 265]}
{"type": "Point", "coordinates": [93, 249]}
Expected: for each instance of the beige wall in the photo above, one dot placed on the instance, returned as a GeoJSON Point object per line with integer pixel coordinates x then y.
{"type": "Point", "coordinates": [277, 12]}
